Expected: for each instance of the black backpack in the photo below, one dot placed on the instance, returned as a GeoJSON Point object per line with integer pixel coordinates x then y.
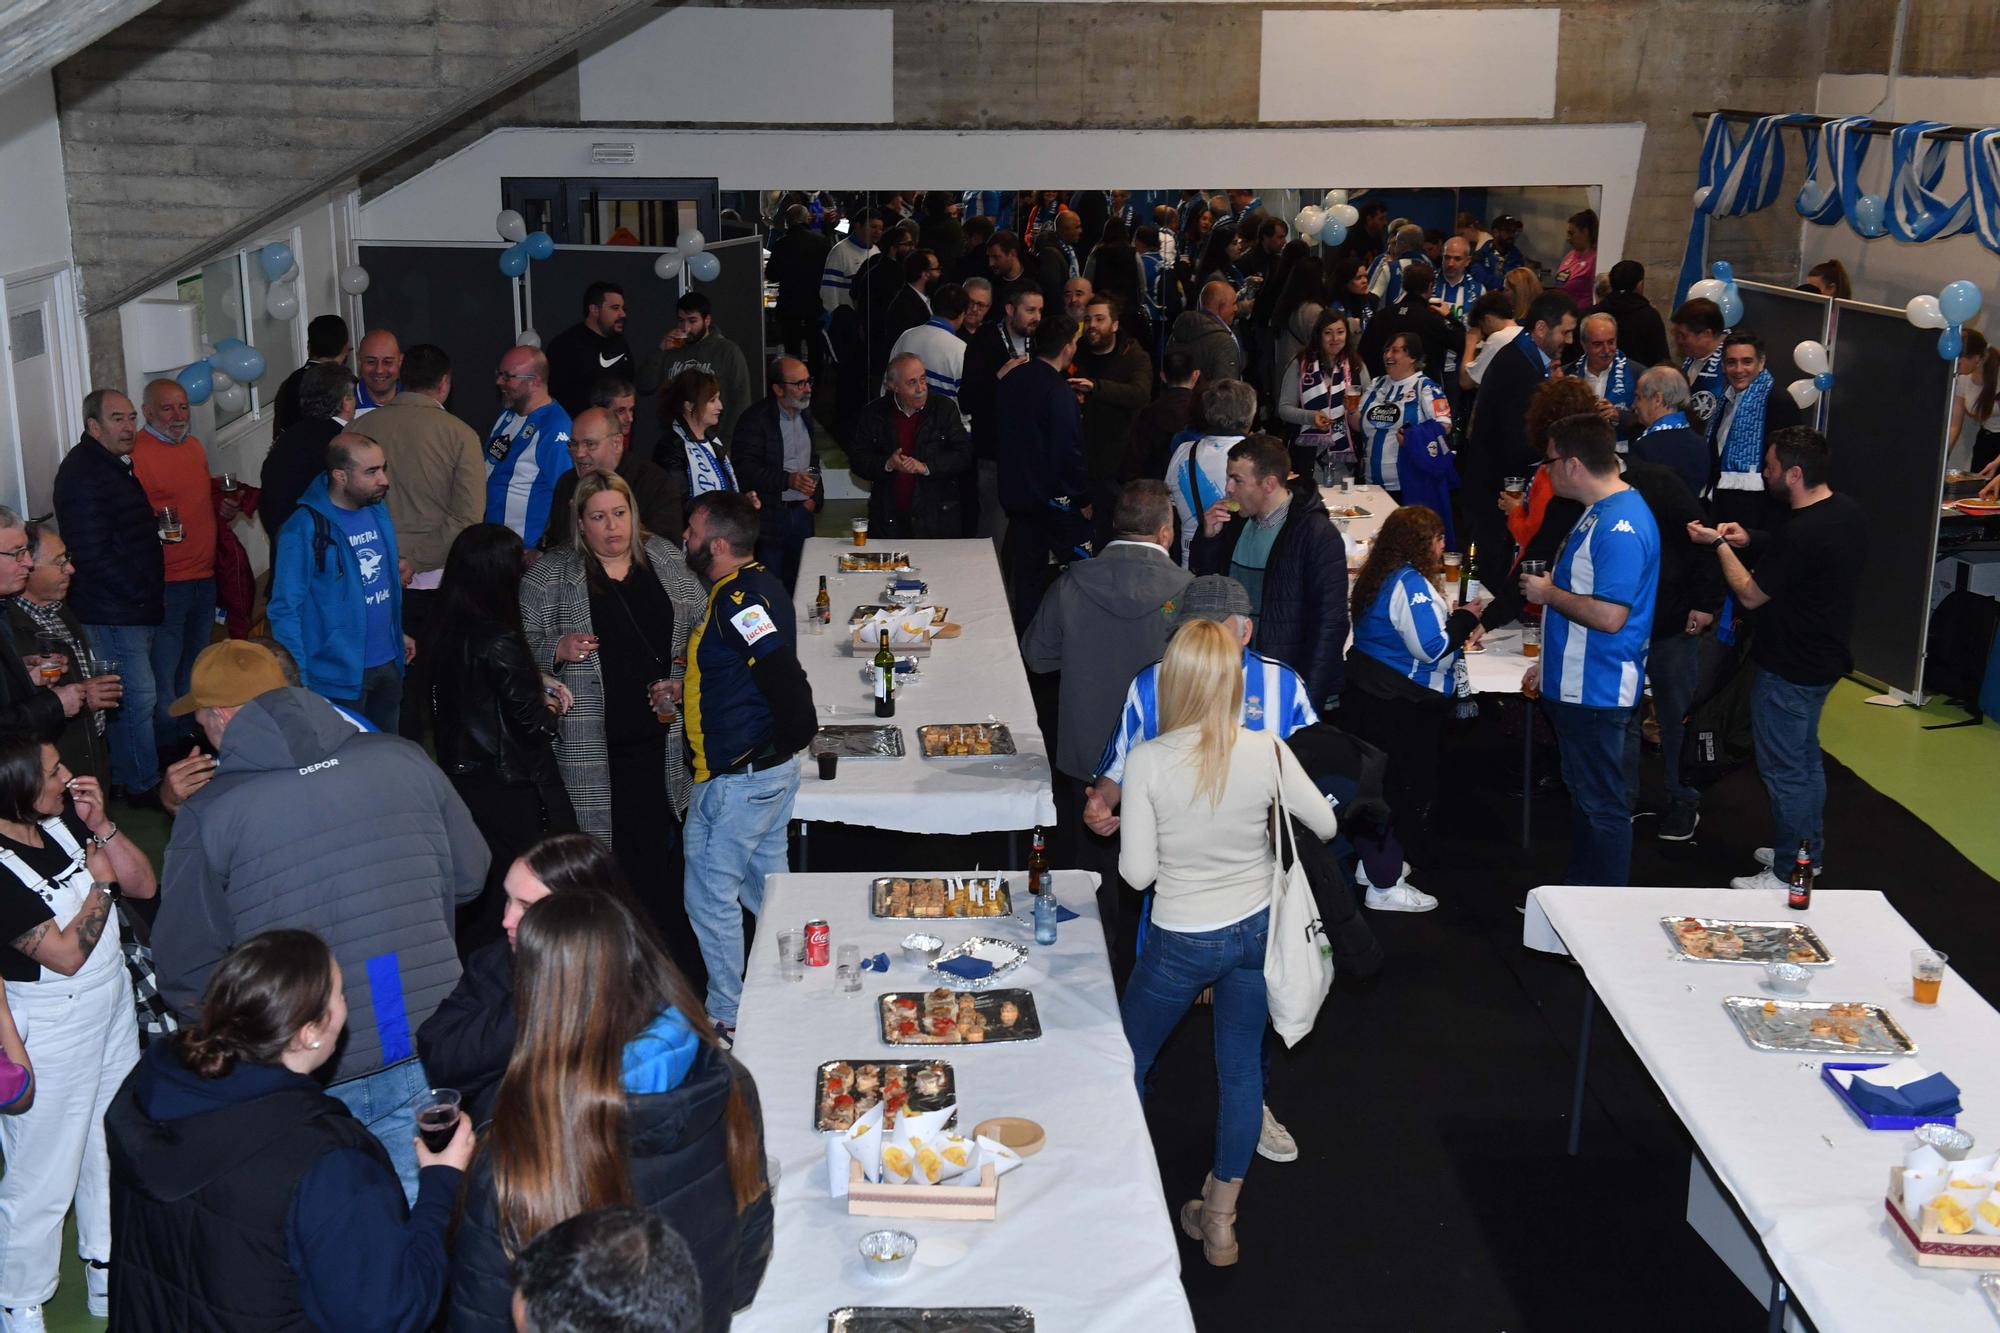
{"type": "Point", "coordinates": [1961, 639]}
{"type": "Point", "coordinates": [1717, 738]}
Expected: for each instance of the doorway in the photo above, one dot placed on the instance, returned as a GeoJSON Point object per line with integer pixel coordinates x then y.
{"type": "Point", "coordinates": [41, 388]}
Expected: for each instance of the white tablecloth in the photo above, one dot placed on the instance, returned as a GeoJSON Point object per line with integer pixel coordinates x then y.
{"type": "Point", "coordinates": [1084, 1237]}
{"type": "Point", "coordinates": [971, 678]}
{"type": "Point", "coordinates": [1808, 1177]}
{"type": "Point", "coordinates": [1372, 498]}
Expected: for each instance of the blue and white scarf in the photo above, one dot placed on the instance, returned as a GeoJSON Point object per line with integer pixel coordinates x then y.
{"type": "Point", "coordinates": [708, 470]}
{"type": "Point", "coordinates": [1743, 451]}
{"type": "Point", "coordinates": [1668, 422]}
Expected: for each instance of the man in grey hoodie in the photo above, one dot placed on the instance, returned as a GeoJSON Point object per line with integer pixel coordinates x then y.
{"type": "Point", "coordinates": [309, 823]}
{"type": "Point", "coordinates": [1101, 622]}
{"type": "Point", "coordinates": [1208, 336]}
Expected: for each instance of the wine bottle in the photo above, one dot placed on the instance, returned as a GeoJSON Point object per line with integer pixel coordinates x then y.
{"type": "Point", "coordinates": [885, 679]}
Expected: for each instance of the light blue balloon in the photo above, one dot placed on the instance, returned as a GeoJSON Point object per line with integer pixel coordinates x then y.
{"type": "Point", "coordinates": [276, 260]}
{"type": "Point", "coordinates": [239, 360]}
{"type": "Point", "coordinates": [514, 259]}
{"type": "Point", "coordinates": [1959, 301]}
{"type": "Point", "coordinates": [1732, 306]}
{"type": "Point", "coordinates": [197, 381]}
{"type": "Point", "coordinates": [1823, 381]}
{"type": "Point", "coordinates": [1868, 215]}
{"type": "Point", "coordinates": [704, 267]}
{"type": "Point", "coordinates": [540, 245]}
{"type": "Point", "coordinates": [1721, 269]}
{"type": "Point", "coordinates": [1949, 343]}
{"type": "Point", "coordinates": [1333, 233]}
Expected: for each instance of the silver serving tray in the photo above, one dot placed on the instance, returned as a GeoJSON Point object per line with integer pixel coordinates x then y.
{"type": "Point", "coordinates": [1763, 941]}
{"type": "Point", "coordinates": [859, 742]}
{"type": "Point", "coordinates": [934, 737]}
{"type": "Point", "coordinates": [1786, 1025]}
{"type": "Point", "coordinates": [1349, 511]}
{"type": "Point", "coordinates": [1026, 1026]}
{"type": "Point", "coordinates": [881, 890]}
{"type": "Point", "coordinates": [940, 1319]}
{"type": "Point", "coordinates": [874, 562]}
{"type": "Point", "coordinates": [916, 1104]}
{"type": "Point", "coordinates": [1005, 955]}
{"type": "Point", "coordinates": [868, 610]}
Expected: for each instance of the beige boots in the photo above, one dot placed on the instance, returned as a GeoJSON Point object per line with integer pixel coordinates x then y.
{"type": "Point", "coordinates": [1211, 1219]}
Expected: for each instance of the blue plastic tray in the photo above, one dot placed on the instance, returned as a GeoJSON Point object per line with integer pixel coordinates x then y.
{"type": "Point", "coordinates": [1876, 1121]}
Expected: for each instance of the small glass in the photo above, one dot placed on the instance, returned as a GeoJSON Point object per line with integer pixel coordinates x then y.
{"type": "Point", "coordinates": [1926, 975]}
{"type": "Point", "coordinates": [1516, 487]}
{"type": "Point", "coordinates": [860, 532]}
{"type": "Point", "coordinates": [168, 521]}
{"type": "Point", "coordinates": [1535, 567]}
{"type": "Point", "coordinates": [231, 483]}
{"type": "Point", "coordinates": [437, 1117]}
{"type": "Point", "coordinates": [1531, 640]}
{"type": "Point", "coordinates": [847, 968]}
{"type": "Point", "coordinates": [828, 763]}
{"type": "Point", "coordinates": [663, 711]}
{"type": "Point", "coordinates": [792, 954]}
{"type": "Point", "coordinates": [51, 659]}
{"type": "Point", "coordinates": [1453, 565]}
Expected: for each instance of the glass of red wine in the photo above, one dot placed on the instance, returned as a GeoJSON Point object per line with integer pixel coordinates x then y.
{"type": "Point", "coordinates": [437, 1117]}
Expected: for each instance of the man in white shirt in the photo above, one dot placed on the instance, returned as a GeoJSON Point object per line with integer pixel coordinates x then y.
{"type": "Point", "coordinates": [848, 255]}
{"type": "Point", "coordinates": [1490, 326]}
{"type": "Point", "coordinates": [939, 342]}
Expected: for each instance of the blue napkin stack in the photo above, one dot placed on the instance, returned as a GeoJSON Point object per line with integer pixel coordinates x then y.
{"type": "Point", "coordinates": [1064, 914]}
{"type": "Point", "coordinates": [1934, 1095]}
{"type": "Point", "coordinates": [972, 969]}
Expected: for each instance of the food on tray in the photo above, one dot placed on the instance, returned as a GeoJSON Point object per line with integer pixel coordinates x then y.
{"type": "Point", "coordinates": [1952, 1215]}
{"type": "Point", "coordinates": [848, 1092]}
{"type": "Point", "coordinates": [1010, 1013]}
{"type": "Point", "coordinates": [1990, 1211]}
{"type": "Point", "coordinates": [875, 560]}
{"type": "Point", "coordinates": [941, 896]}
{"type": "Point", "coordinates": [1350, 511]}
{"type": "Point", "coordinates": [948, 1016]}
{"type": "Point", "coordinates": [1771, 1008]}
{"type": "Point", "coordinates": [1746, 941]}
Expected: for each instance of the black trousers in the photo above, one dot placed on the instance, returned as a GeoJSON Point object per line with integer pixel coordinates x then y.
{"type": "Point", "coordinates": [646, 839]}
{"type": "Point", "coordinates": [512, 819]}
{"type": "Point", "coordinates": [415, 718]}
{"type": "Point", "coordinates": [1985, 447]}
{"type": "Point", "coordinates": [1077, 848]}
{"type": "Point", "coordinates": [1411, 734]}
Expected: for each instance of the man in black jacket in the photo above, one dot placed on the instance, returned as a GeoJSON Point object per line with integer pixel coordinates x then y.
{"type": "Point", "coordinates": [1113, 377]}
{"type": "Point", "coordinates": [1161, 421]}
{"type": "Point", "coordinates": [776, 458]}
{"type": "Point", "coordinates": [1000, 346]}
{"type": "Point", "coordinates": [1285, 551]}
{"type": "Point", "coordinates": [1044, 485]}
{"type": "Point", "coordinates": [1498, 446]}
{"type": "Point", "coordinates": [1412, 313]}
{"type": "Point", "coordinates": [1642, 334]}
{"type": "Point", "coordinates": [596, 444]}
{"type": "Point", "coordinates": [1660, 406]}
{"type": "Point", "coordinates": [911, 447]}
{"type": "Point", "coordinates": [121, 576]}
{"type": "Point", "coordinates": [797, 260]}
{"type": "Point", "coordinates": [877, 284]}
{"type": "Point", "coordinates": [327, 344]}
{"type": "Point", "coordinates": [25, 705]}
{"type": "Point", "coordinates": [912, 305]}
{"type": "Point", "coordinates": [326, 405]}
{"type": "Point", "coordinates": [1752, 410]}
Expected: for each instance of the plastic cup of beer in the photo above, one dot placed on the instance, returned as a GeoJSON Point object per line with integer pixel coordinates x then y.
{"type": "Point", "coordinates": [168, 520]}
{"type": "Point", "coordinates": [792, 954]}
{"type": "Point", "coordinates": [1454, 564]}
{"type": "Point", "coordinates": [663, 711]}
{"type": "Point", "coordinates": [860, 532]}
{"type": "Point", "coordinates": [1535, 567]}
{"type": "Point", "coordinates": [437, 1117]}
{"type": "Point", "coordinates": [1531, 640]}
{"type": "Point", "coordinates": [231, 483]}
{"type": "Point", "coordinates": [1926, 975]}
{"type": "Point", "coordinates": [1516, 487]}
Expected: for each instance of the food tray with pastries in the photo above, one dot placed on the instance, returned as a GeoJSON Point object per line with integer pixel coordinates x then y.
{"type": "Point", "coordinates": [878, 561]}
{"type": "Point", "coordinates": [868, 611]}
{"type": "Point", "coordinates": [1349, 511]}
{"type": "Point", "coordinates": [942, 1319]}
{"type": "Point", "coordinates": [1712, 940]}
{"type": "Point", "coordinates": [937, 897]}
{"type": "Point", "coordinates": [941, 1017]}
{"type": "Point", "coordinates": [1844, 1027]}
{"type": "Point", "coordinates": [955, 740]}
{"type": "Point", "coordinates": [845, 1090]}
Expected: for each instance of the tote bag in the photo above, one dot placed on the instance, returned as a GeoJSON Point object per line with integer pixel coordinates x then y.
{"type": "Point", "coordinates": [1298, 961]}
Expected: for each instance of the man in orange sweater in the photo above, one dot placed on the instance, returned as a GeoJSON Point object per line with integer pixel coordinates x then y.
{"type": "Point", "coordinates": [173, 467]}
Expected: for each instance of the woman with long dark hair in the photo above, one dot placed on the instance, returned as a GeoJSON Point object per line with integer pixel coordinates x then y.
{"type": "Point", "coordinates": [466, 1042]}
{"type": "Point", "coordinates": [610, 615]}
{"type": "Point", "coordinates": [692, 448]}
{"type": "Point", "coordinates": [1318, 392]}
{"type": "Point", "coordinates": [1347, 288]}
{"type": "Point", "coordinates": [248, 1198]}
{"type": "Point", "coordinates": [495, 713]}
{"type": "Point", "coordinates": [1403, 665]}
{"type": "Point", "coordinates": [617, 1092]}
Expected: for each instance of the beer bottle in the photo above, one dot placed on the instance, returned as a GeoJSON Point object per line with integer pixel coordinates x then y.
{"type": "Point", "coordinates": [1038, 865]}
{"type": "Point", "coordinates": [885, 679]}
{"type": "Point", "coordinates": [823, 604]}
{"type": "Point", "coordinates": [1799, 898]}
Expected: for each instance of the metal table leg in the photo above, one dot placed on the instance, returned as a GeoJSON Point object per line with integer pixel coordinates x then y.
{"type": "Point", "coordinates": [1527, 765]}
{"type": "Point", "coordinates": [804, 827]}
{"type": "Point", "coordinates": [1582, 1068]}
{"type": "Point", "coordinates": [1780, 1298]}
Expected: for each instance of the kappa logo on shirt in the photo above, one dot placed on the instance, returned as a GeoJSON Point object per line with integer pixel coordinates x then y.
{"type": "Point", "coordinates": [1623, 525]}
{"type": "Point", "coordinates": [1420, 600]}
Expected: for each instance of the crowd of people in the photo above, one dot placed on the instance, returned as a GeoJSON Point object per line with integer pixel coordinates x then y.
{"type": "Point", "coordinates": [221, 1059]}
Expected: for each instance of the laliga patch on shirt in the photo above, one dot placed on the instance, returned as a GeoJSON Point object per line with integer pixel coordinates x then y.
{"type": "Point", "coordinates": [753, 623]}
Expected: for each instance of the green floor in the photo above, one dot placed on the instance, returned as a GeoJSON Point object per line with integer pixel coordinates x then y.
{"type": "Point", "coordinates": [1945, 778]}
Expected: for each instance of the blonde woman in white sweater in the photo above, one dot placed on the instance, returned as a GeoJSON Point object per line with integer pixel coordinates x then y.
{"type": "Point", "coordinates": [1197, 807]}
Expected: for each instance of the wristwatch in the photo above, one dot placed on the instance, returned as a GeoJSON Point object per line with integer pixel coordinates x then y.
{"type": "Point", "coordinates": [1719, 541]}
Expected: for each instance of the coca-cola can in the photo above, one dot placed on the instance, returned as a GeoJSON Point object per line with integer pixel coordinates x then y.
{"type": "Point", "coordinates": [819, 944]}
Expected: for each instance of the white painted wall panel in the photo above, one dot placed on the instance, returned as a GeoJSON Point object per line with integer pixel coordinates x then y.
{"type": "Point", "coordinates": [746, 66]}
{"type": "Point", "coordinates": [35, 233]}
{"type": "Point", "coordinates": [1348, 65]}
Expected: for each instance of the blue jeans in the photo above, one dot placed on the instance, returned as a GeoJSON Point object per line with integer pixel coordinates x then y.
{"type": "Point", "coordinates": [189, 625]}
{"type": "Point", "coordinates": [1173, 969]}
{"type": "Point", "coordinates": [384, 1102]}
{"type": "Point", "coordinates": [736, 828]}
{"type": "Point", "coordinates": [781, 547]}
{"type": "Point", "coordinates": [135, 758]}
{"type": "Point", "coordinates": [1784, 724]}
{"type": "Point", "coordinates": [381, 700]}
{"type": "Point", "coordinates": [1673, 665]}
{"type": "Point", "coordinates": [1593, 767]}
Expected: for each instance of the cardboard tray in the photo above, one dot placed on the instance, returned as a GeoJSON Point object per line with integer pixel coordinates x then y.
{"type": "Point", "coordinates": [1875, 1121]}
{"type": "Point", "coordinates": [1925, 1241]}
{"type": "Point", "coordinates": [940, 1203]}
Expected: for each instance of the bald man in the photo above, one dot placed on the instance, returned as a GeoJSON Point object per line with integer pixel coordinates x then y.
{"type": "Point", "coordinates": [173, 467]}
{"type": "Point", "coordinates": [598, 443]}
{"type": "Point", "coordinates": [1207, 334]}
{"type": "Point", "coordinates": [380, 365]}
{"type": "Point", "coordinates": [776, 458]}
{"type": "Point", "coordinates": [527, 450]}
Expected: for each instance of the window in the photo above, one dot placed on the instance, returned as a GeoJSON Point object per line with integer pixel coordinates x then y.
{"type": "Point", "coordinates": [230, 292]}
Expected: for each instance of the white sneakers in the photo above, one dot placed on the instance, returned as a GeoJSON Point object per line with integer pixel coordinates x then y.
{"type": "Point", "coordinates": [1763, 879]}
{"type": "Point", "coordinates": [1402, 896]}
{"type": "Point", "coordinates": [23, 1319]}
{"type": "Point", "coordinates": [97, 1288]}
{"type": "Point", "coordinates": [1275, 1141]}
{"type": "Point", "coordinates": [1763, 855]}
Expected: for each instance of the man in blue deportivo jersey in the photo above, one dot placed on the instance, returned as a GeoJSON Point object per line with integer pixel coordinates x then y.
{"type": "Point", "coordinates": [528, 447]}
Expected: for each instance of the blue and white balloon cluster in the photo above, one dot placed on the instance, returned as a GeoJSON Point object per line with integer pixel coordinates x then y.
{"type": "Point", "coordinates": [526, 245]}
{"type": "Point", "coordinates": [1327, 222]}
{"type": "Point", "coordinates": [222, 375]}
{"type": "Point", "coordinates": [1948, 310]}
{"type": "Point", "coordinates": [1812, 358]}
{"type": "Point", "coordinates": [281, 271]}
{"type": "Point", "coordinates": [689, 251]}
{"type": "Point", "coordinates": [1720, 289]}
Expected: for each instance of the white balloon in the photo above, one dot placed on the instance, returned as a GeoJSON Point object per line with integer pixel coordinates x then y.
{"type": "Point", "coordinates": [527, 338]}
{"type": "Point", "coordinates": [1701, 194]}
{"type": "Point", "coordinates": [511, 225]}
{"type": "Point", "coordinates": [232, 399]}
{"type": "Point", "coordinates": [668, 266]}
{"type": "Point", "coordinates": [1708, 289]}
{"type": "Point", "coordinates": [1803, 392]}
{"type": "Point", "coordinates": [1923, 312]}
{"type": "Point", "coordinates": [281, 301]}
{"type": "Point", "coordinates": [690, 242]}
{"type": "Point", "coordinates": [1345, 214]}
{"type": "Point", "coordinates": [1810, 357]}
{"type": "Point", "coordinates": [1334, 199]}
{"type": "Point", "coordinates": [218, 378]}
{"type": "Point", "coordinates": [354, 280]}
{"type": "Point", "coordinates": [1310, 221]}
